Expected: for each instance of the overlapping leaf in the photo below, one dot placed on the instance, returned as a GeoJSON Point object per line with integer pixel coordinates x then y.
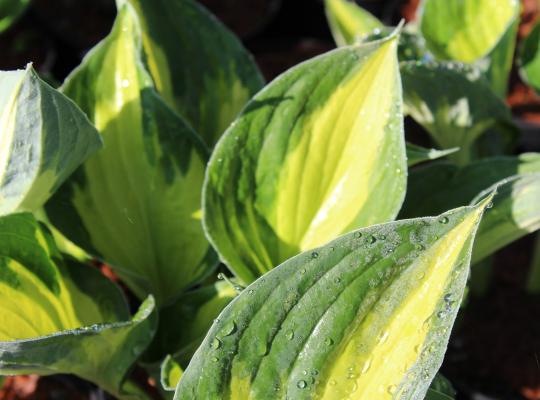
{"type": "Point", "coordinates": [63, 319]}
{"type": "Point", "coordinates": [454, 104]}
{"type": "Point", "coordinates": [530, 58]}
{"type": "Point", "coordinates": [465, 30]}
{"type": "Point", "coordinates": [313, 155]}
{"type": "Point", "coordinates": [199, 66]}
{"type": "Point", "coordinates": [367, 315]}
{"type": "Point", "coordinates": [515, 212]}
{"type": "Point", "coordinates": [348, 21]}
{"type": "Point", "coordinates": [136, 203]}
{"type": "Point", "coordinates": [44, 137]}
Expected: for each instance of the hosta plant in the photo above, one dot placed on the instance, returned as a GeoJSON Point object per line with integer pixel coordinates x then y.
{"type": "Point", "coordinates": [165, 156]}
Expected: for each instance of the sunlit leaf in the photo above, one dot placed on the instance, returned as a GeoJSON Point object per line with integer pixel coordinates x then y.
{"type": "Point", "coordinates": [171, 372]}
{"type": "Point", "coordinates": [314, 155]}
{"type": "Point", "coordinates": [199, 67]}
{"type": "Point", "coordinates": [348, 21]}
{"type": "Point", "coordinates": [465, 30]}
{"type": "Point", "coordinates": [530, 58]}
{"type": "Point", "coordinates": [44, 137]}
{"type": "Point", "coordinates": [136, 203]}
{"type": "Point", "coordinates": [454, 103]}
{"type": "Point", "coordinates": [63, 318]}
{"type": "Point", "coordinates": [360, 317]}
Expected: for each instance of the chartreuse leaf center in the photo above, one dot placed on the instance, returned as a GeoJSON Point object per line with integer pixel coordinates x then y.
{"type": "Point", "coordinates": [318, 152]}
{"type": "Point", "coordinates": [367, 315]}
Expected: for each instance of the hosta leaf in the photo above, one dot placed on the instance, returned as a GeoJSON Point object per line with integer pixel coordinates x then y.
{"type": "Point", "coordinates": [453, 103]}
{"type": "Point", "coordinates": [440, 389]}
{"type": "Point", "coordinates": [183, 325]}
{"type": "Point", "coordinates": [418, 154]}
{"type": "Point", "coordinates": [435, 187]}
{"type": "Point", "coordinates": [530, 58]}
{"type": "Point", "coordinates": [10, 11]}
{"type": "Point", "coordinates": [496, 66]}
{"type": "Point", "coordinates": [515, 213]}
{"type": "Point", "coordinates": [515, 210]}
{"type": "Point", "coordinates": [58, 318]}
{"type": "Point", "coordinates": [348, 21]}
{"type": "Point", "coordinates": [465, 30]}
{"type": "Point", "coordinates": [136, 203]}
{"type": "Point", "coordinates": [44, 137]}
{"type": "Point", "coordinates": [312, 156]}
{"type": "Point", "coordinates": [368, 315]}
{"type": "Point", "coordinates": [199, 67]}
{"type": "Point", "coordinates": [170, 374]}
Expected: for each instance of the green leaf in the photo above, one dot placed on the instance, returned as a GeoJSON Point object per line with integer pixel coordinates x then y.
{"type": "Point", "coordinates": [45, 137]}
{"type": "Point", "coordinates": [454, 103]}
{"type": "Point", "coordinates": [136, 203]}
{"type": "Point", "coordinates": [199, 67]}
{"type": "Point", "coordinates": [183, 325]}
{"type": "Point", "coordinates": [10, 11]}
{"type": "Point", "coordinates": [436, 187]}
{"type": "Point", "coordinates": [170, 374]}
{"type": "Point", "coordinates": [440, 389]}
{"type": "Point", "coordinates": [465, 30]}
{"type": "Point", "coordinates": [515, 213]}
{"type": "Point", "coordinates": [530, 58]}
{"type": "Point", "coordinates": [360, 316]}
{"type": "Point", "coordinates": [417, 154]}
{"type": "Point", "coordinates": [348, 21]}
{"type": "Point", "coordinates": [312, 156]}
{"type": "Point", "coordinates": [62, 318]}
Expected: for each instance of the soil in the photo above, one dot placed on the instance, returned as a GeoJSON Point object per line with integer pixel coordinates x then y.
{"type": "Point", "coordinates": [494, 352]}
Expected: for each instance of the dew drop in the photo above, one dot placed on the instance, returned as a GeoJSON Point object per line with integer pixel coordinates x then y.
{"type": "Point", "coordinates": [489, 205]}
{"type": "Point", "coordinates": [314, 255]}
{"type": "Point", "coordinates": [372, 239]}
{"type": "Point", "coordinates": [289, 335]}
{"type": "Point", "coordinates": [358, 235]}
{"type": "Point", "coordinates": [383, 337]}
{"type": "Point", "coordinates": [303, 271]}
{"type": "Point", "coordinates": [333, 382]}
{"type": "Point", "coordinates": [337, 280]}
{"type": "Point", "coordinates": [125, 83]}
{"type": "Point", "coordinates": [251, 291]}
{"type": "Point", "coordinates": [444, 220]}
{"type": "Point", "coordinates": [221, 276]}
{"type": "Point", "coordinates": [382, 237]}
{"type": "Point", "coordinates": [329, 341]}
{"type": "Point", "coordinates": [215, 359]}
{"type": "Point", "coordinates": [392, 389]}
{"type": "Point", "coordinates": [366, 366]}
{"type": "Point", "coordinates": [419, 247]}
{"type": "Point", "coordinates": [229, 328]}
{"type": "Point", "coordinates": [216, 344]}
{"type": "Point", "coordinates": [301, 384]}
{"type": "Point", "coordinates": [441, 314]}
{"type": "Point", "coordinates": [421, 275]}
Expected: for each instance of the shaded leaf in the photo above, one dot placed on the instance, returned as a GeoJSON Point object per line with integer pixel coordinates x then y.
{"type": "Point", "coordinates": [465, 30]}
{"type": "Point", "coordinates": [435, 187]}
{"type": "Point", "coordinates": [136, 203]}
{"type": "Point", "coordinates": [358, 317]}
{"type": "Point", "coordinates": [418, 154]}
{"type": "Point", "coordinates": [348, 21]}
{"type": "Point", "coordinates": [530, 58]}
{"type": "Point", "coordinates": [45, 137]}
{"type": "Point", "coordinates": [515, 213]}
{"type": "Point", "coordinates": [58, 318]}
{"type": "Point", "coordinates": [453, 103]}
{"type": "Point", "coordinates": [183, 325]}
{"type": "Point", "coordinates": [10, 11]}
{"type": "Point", "coordinates": [199, 67]}
{"type": "Point", "coordinates": [171, 372]}
{"type": "Point", "coordinates": [440, 389]}
{"type": "Point", "coordinates": [296, 167]}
